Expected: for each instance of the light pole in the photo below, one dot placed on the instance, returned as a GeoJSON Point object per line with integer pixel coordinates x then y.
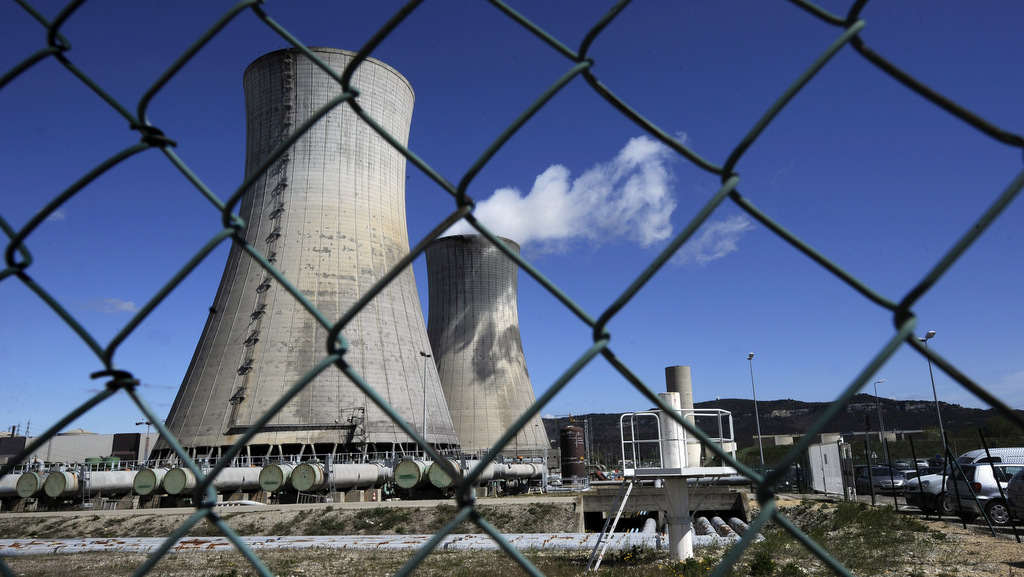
{"type": "Point", "coordinates": [931, 375]}
{"type": "Point", "coordinates": [426, 357]}
{"type": "Point", "coordinates": [881, 425]}
{"type": "Point", "coordinates": [757, 418]}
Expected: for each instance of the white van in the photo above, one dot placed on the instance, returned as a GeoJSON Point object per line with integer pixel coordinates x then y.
{"type": "Point", "coordinates": [998, 455]}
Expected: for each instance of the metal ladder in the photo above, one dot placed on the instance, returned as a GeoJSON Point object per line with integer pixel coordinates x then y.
{"type": "Point", "coordinates": [609, 527]}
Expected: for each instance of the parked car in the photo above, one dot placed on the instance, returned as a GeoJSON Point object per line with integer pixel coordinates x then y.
{"type": "Point", "coordinates": [928, 492]}
{"type": "Point", "coordinates": [975, 489]}
{"type": "Point", "coordinates": [885, 479]}
{"type": "Point", "coordinates": [1015, 495]}
{"type": "Point", "coordinates": [922, 470]}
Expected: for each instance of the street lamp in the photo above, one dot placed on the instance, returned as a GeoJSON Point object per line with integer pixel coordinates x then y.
{"type": "Point", "coordinates": [881, 425]}
{"type": "Point", "coordinates": [757, 418]}
{"type": "Point", "coordinates": [931, 375]}
{"type": "Point", "coordinates": [425, 356]}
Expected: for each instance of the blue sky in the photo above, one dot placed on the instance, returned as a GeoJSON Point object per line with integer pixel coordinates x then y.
{"type": "Point", "coordinates": [864, 170]}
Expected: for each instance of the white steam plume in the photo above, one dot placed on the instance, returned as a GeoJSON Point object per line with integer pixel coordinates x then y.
{"type": "Point", "coordinates": [630, 196]}
{"type": "Point", "coordinates": [714, 240]}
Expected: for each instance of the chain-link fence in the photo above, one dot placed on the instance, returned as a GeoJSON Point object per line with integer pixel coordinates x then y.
{"type": "Point", "coordinates": [120, 381]}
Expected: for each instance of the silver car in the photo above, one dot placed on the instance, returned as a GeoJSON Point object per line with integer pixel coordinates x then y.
{"type": "Point", "coordinates": [1015, 495]}
{"type": "Point", "coordinates": [976, 491]}
{"type": "Point", "coordinates": [927, 493]}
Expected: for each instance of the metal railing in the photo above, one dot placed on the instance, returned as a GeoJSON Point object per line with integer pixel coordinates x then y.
{"type": "Point", "coordinates": [18, 259]}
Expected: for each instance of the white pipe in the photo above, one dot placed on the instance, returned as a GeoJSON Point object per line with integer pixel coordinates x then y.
{"type": "Point", "coordinates": [314, 476]}
{"type": "Point", "coordinates": [110, 482]}
{"type": "Point", "coordinates": [551, 541]}
{"type": "Point", "coordinates": [9, 485]}
{"type": "Point", "coordinates": [518, 471]}
{"type": "Point", "coordinates": [237, 479]}
{"type": "Point", "coordinates": [721, 527]}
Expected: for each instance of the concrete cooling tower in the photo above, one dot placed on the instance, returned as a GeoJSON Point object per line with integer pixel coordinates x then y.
{"type": "Point", "coordinates": [330, 215]}
{"type": "Point", "coordinates": [474, 331]}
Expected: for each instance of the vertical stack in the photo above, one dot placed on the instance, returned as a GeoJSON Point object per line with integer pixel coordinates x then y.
{"type": "Point", "coordinates": [474, 332]}
{"type": "Point", "coordinates": [330, 215]}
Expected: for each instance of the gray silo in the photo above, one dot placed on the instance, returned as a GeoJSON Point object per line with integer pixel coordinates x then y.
{"type": "Point", "coordinates": [473, 325]}
{"type": "Point", "coordinates": [330, 215]}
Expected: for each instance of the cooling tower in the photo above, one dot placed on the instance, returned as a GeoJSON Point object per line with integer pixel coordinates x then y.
{"type": "Point", "coordinates": [330, 215]}
{"type": "Point", "coordinates": [473, 325]}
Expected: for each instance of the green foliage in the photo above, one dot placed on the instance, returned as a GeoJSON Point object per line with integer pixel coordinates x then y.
{"type": "Point", "coordinates": [633, 555]}
{"type": "Point", "coordinates": [791, 569]}
{"type": "Point", "coordinates": [762, 564]}
{"type": "Point", "coordinates": [692, 567]}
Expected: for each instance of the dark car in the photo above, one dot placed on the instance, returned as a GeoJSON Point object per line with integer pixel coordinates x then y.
{"type": "Point", "coordinates": [884, 479]}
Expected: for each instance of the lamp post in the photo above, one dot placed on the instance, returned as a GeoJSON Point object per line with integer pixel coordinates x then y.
{"type": "Point", "coordinates": [425, 356]}
{"type": "Point", "coordinates": [931, 376]}
{"type": "Point", "coordinates": [881, 424]}
{"type": "Point", "coordinates": [757, 418]}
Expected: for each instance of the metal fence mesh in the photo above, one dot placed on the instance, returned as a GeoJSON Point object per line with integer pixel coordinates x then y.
{"type": "Point", "coordinates": [18, 259]}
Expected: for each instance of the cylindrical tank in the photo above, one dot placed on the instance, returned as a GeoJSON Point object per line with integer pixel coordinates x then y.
{"type": "Point", "coordinates": [474, 333]}
{"type": "Point", "coordinates": [440, 478]}
{"type": "Point", "coordinates": [30, 484]}
{"type": "Point", "coordinates": [411, 473]}
{"type": "Point", "coordinates": [678, 380]}
{"type": "Point", "coordinates": [9, 485]}
{"type": "Point", "coordinates": [308, 477]}
{"type": "Point", "coordinates": [179, 481]}
{"type": "Point", "coordinates": [149, 481]}
{"type": "Point", "coordinates": [574, 452]}
{"type": "Point", "coordinates": [330, 214]}
{"type": "Point", "coordinates": [275, 477]}
{"type": "Point", "coordinates": [61, 484]}
{"type": "Point", "coordinates": [673, 448]}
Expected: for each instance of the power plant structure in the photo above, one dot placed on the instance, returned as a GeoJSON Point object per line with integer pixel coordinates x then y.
{"type": "Point", "coordinates": [330, 215]}
{"type": "Point", "coordinates": [473, 326]}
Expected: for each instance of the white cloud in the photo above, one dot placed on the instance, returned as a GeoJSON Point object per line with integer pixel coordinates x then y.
{"type": "Point", "coordinates": [57, 216]}
{"type": "Point", "coordinates": [714, 240]}
{"type": "Point", "coordinates": [629, 197]}
{"type": "Point", "coordinates": [112, 306]}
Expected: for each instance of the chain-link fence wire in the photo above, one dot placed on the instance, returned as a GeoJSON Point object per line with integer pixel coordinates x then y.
{"type": "Point", "coordinates": [18, 258]}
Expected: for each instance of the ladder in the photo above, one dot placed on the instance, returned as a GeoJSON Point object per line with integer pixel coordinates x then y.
{"type": "Point", "coordinates": [609, 527]}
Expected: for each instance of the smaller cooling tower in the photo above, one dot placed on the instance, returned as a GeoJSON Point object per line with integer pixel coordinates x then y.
{"type": "Point", "coordinates": [473, 326]}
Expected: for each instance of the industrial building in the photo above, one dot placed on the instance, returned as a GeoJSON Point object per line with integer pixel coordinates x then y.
{"type": "Point", "coordinates": [329, 213]}
{"type": "Point", "coordinates": [474, 333]}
